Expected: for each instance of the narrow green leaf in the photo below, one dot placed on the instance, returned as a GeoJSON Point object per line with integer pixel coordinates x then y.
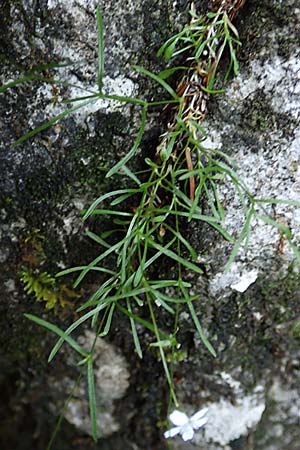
{"type": "Point", "coordinates": [122, 198]}
{"type": "Point", "coordinates": [125, 255]}
{"type": "Point", "coordinates": [170, 50]}
{"type": "Point", "coordinates": [93, 96]}
{"type": "Point", "coordinates": [230, 25]}
{"type": "Point", "coordinates": [211, 82]}
{"type": "Point", "coordinates": [243, 235]}
{"type": "Point", "coordinates": [78, 268]}
{"type": "Point", "coordinates": [33, 76]}
{"type": "Point", "coordinates": [104, 197]}
{"type": "Point", "coordinates": [233, 58]}
{"type": "Point", "coordinates": [158, 254]}
{"type": "Point", "coordinates": [139, 274]}
{"type": "Point", "coordinates": [168, 72]}
{"type": "Point", "coordinates": [176, 257]}
{"type": "Point", "coordinates": [164, 344]}
{"type": "Point", "coordinates": [200, 331]}
{"type": "Point", "coordinates": [159, 80]}
{"type": "Point", "coordinates": [108, 321]}
{"type": "Point", "coordinates": [134, 331]}
{"type": "Point", "coordinates": [49, 123]}
{"type": "Point", "coordinates": [160, 284]}
{"type": "Point", "coordinates": [183, 241]}
{"type": "Point", "coordinates": [278, 201]}
{"type": "Point", "coordinates": [131, 175]}
{"type": "Point", "coordinates": [120, 295]}
{"type": "Point", "coordinates": [124, 99]}
{"type": "Point", "coordinates": [160, 301]}
{"type": "Point", "coordinates": [98, 95]}
{"type": "Point", "coordinates": [280, 227]}
{"type": "Point", "coordinates": [160, 219]}
{"type": "Point", "coordinates": [177, 300]}
{"type": "Point", "coordinates": [161, 351]}
{"type": "Point", "coordinates": [143, 322]}
{"type": "Point", "coordinates": [198, 194]}
{"type": "Point", "coordinates": [202, 44]}
{"type": "Point", "coordinates": [72, 327]}
{"type": "Point", "coordinates": [22, 80]}
{"type": "Point", "coordinates": [162, 103]}
{"type": "Point", "coordinates": [210, 220]}
{"type": "Point", "coordinates": [100, 295]}
{"type": "Point", "coordinates": [134, 148]}
{"type": "Point", "coordinates": [212, 91]}
{"type": "Point", "coordinates": [57, 331]}
{"type": "Point", "coordinates": [167, 151]}
{"type": "Point", "coordinates": [138, 301]}
{"type": "Point", "coordinates": [92, 397]}
{"type": "Point", "coordinates": [234, 176]}
{"type": "Point", "coordinates": [94, 263]}
{"type": "Point", "coordinates": [218, 201]}
{"type": "Point", "coordinates": [228, 71]}
{"type": "Point", "coordinates": [168, 43]}
{"type": "Point", "coordinates": [97, 239]}
{"type": "Point", "coordinates": [184, 49]}
{"type": "Point", "coordinates": [211, 202]}
{"type": "Point", "coordinates": [111, 212]}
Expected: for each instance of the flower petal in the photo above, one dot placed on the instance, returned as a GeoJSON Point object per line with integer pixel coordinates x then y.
{"type": "Point", "coordinates": [196, 424]}
{"type": "Point", "coordinates": [199, 414]}
{"type": "Point", "coordinates": [187, 433]}
{"type": "Point", "coordinates": [172, 432]}
{"type": "Point", "coordinates": [178, 418]}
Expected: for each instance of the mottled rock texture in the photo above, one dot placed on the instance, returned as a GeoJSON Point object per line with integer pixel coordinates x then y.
{"type": "Point", "coordinates": [252, 387]}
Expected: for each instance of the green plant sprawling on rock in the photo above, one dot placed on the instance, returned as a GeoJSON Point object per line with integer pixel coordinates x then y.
{"type": "Point", "coordinates": [180, 185]}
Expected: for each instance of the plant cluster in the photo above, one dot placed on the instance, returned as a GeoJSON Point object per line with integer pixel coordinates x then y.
{"type": "Point", "coordinates": [44, 288]}
{"type": "Point", "coordinates": [180, 185]}
{"type": "Point", "coordinates": [38, 282]}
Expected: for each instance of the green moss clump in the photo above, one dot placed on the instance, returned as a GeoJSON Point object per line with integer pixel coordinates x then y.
{"type": "Point", "coordinates": [38, 282]}
{"type": "Point", "coordinates": [45, 288]}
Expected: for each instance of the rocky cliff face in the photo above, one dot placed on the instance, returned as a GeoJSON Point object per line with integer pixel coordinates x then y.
{"type": "Point", "coordinates": [251, 313]}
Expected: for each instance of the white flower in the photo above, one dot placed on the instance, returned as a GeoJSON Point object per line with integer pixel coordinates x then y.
{"type": "Point", "coordinates": [185, 425]}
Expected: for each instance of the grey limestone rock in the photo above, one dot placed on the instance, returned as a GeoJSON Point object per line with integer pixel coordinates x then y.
{"type": "Point", "coordinates": [250, 314]}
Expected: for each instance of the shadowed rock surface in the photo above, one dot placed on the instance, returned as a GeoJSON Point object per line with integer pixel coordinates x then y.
{"type": "Point", "coordinates": [252, 387]}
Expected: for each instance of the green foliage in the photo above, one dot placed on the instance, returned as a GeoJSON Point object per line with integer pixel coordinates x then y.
{"type": "Point", "coordinates": [38, 283]}
{"type": "Point", "coordinates": [201, 39]}
{"type": "Point", "coordinates": [180, 185]}
{"type": "Point", "coordinates": [45, 288]}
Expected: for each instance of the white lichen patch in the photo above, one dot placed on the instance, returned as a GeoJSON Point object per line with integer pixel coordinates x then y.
{"type": "Point", "coordinates": [282, 416]}
{"type": "Point", "coordinates": [228, 379]}
{"type": "Point", "coordinates": [120, 86]}
{"type": "Point", "coordinates": [230, 417]}
{"type": "Point", "coordinates": [244, 281]}
{"type": "Point", "coordinates": [78, 47]}
{"type": "Point", "coordinates": [278, 76]}
{"type": "Point", "coordinates": [238, 278]}
{"type": "Point", "coordinates": [87, 4]}
{"type": "Point", "coordinates": [227, 422]}
{"type": "Point", "coordinates": [118, 36]}
{"type": "Point", "coordinates": [111, 382]}
{"type": "Point", "coordinates": [212, 140]}
{"type": "Point", "coordinates": [78, 414]}
{"type": "Point", "coordinates": [287, 400]}
{"type": "Point", "coordinates": [268, 164]}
